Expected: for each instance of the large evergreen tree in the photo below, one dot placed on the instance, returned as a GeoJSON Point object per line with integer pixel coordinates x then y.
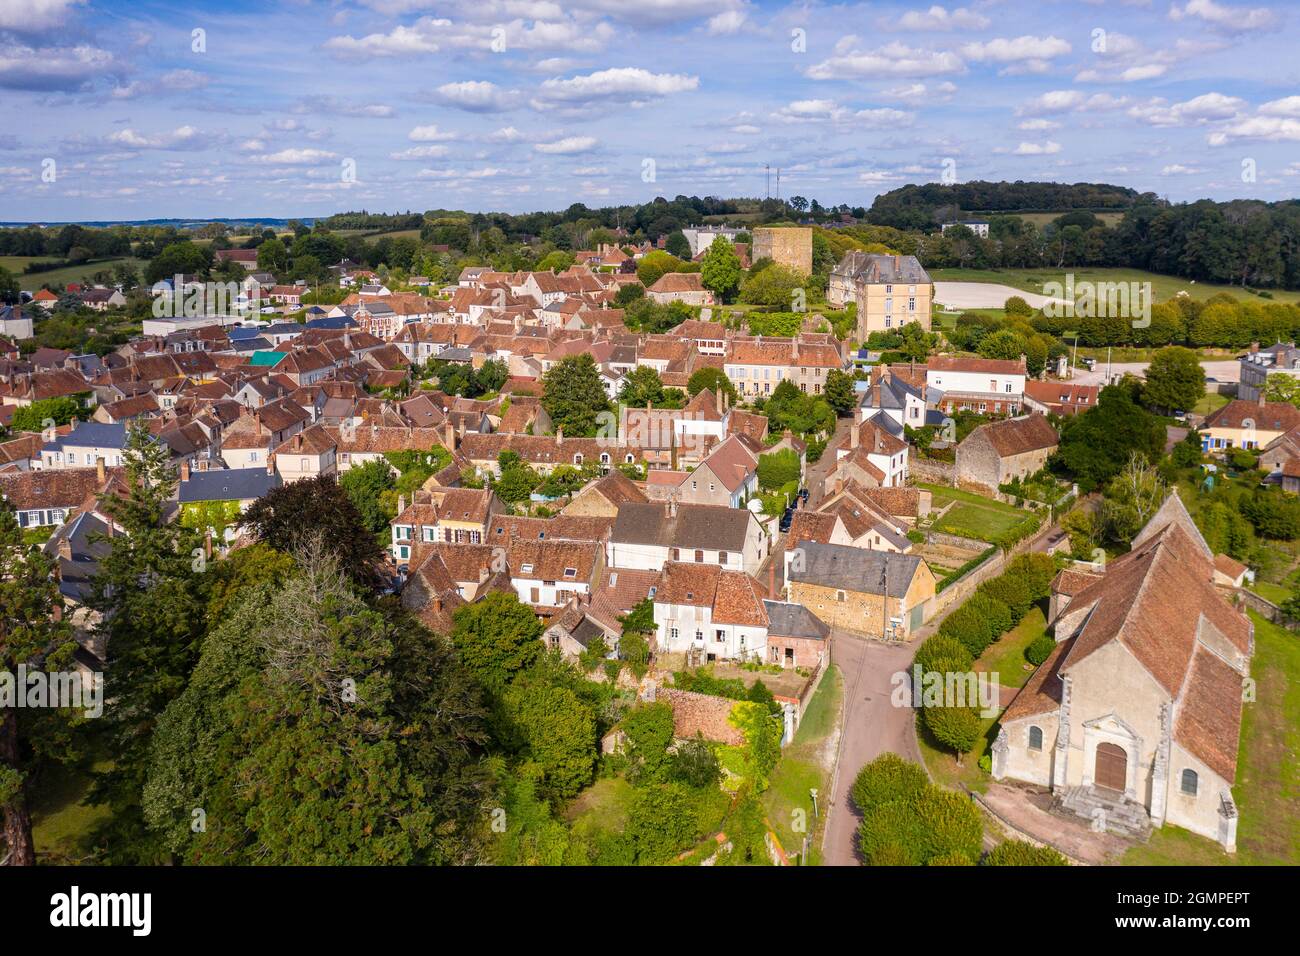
{"type": "Point", "coordinates": [574, 396]}
{"type": "Point", "coordinates": [150, 594]}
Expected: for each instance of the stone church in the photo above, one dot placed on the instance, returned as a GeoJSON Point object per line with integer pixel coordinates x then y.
{"type": "Point", "coordinates": [1133, 721]}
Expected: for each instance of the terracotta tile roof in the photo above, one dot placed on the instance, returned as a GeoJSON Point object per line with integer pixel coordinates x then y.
{"type": "Point", "coordinates": [1266, 416]}
{"type": "Point", "coordinates": [313, 441]}
{"type": "Point", "coordinates": [1015, 436]}
{"type": "Point", "coordinates": [963, 363]}
{"type": "Point", "coordinates": [1042, 692]}
{"type": "Point", "coordinates": [57, 488]}
{"type": "Point", "coordinates": [701, 714]}
{"type": "Point", "coordinates": [1226, 565]}
{"type": "Point", "coordinates": [618, 592]}
{"type": "Point", "coordinates": [1071, 581]}
{"type": "Point", "coordinates": [553, 560]}
{"type": "Point", "coordinates": [1209, 718]}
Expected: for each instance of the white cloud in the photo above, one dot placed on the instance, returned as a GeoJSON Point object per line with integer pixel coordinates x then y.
{"type": "Point", "coordinates": [622, 84]}
{"type": "Point", "coordinates": [1024, 54]}
{"type": "Point", "coordinates": [1287, 106]}
{"type": "Point", "coordinates": [1037, 149]}
{"type": "Point", "coordinates": [939, 19]}
{"type": "Point", "coordinates": [420, 152]}
{"type": "Point", "coordinates": [474, 96]}
{"type": "Point", "coordinates": [506, 134]}
{"type": "Point", "coordinates": [727, 23]}
{"type": "Point", "coordinates": [1206, 108]}
{"type": "Point", "coordinates": [892, 59]}
{"type": "Point", "coordinates": [429, 134]}
{"type": "Point", "coordinates": [1178, 169]}
{"type": "Point", "coordinates": [1275, 129]}
{"type": "Point", "coordinates": [1038, 125]}
{"type": "Point", "coordinates": [34, 14]}
{"type": "Point", "coordinates": [1229, 19]}
{"type": "Point", "coordinates": [53, 68]}
{"type": "Point", "coordinates": [567, 146]}
{"type": "Point", "coordinates": [1071, 101]}
{"type": "Point", "coordinates": [296, 157]}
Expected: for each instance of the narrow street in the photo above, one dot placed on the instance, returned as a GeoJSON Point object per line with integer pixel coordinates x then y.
{"type": "Point", "coordinates": [872, 726]}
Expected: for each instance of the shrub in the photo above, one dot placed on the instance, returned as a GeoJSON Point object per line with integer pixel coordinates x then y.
{"type": "Point", "coordinates": [950, 859]}
{"type": "Point", "coordinates": [994, 611]}
{"type": "Point", "coordinates": [942, 648]}
{"type": "Point", "coordinates": [1011, 590]}
{"type": "Point", "coordinates": [968, 628]}
{"type": "Point", "coordinates": [951, 822]}
{"type": "Point", "coordinates": [1040, 649]}
{"type": "Point", "coordinates": [1020, 853]}
{"type": "Point", "coordinates": [889, 777]}
{"type": "Point", "coordinates": [892, 834]}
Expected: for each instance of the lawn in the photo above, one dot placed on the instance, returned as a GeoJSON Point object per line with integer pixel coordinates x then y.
{"type": "Point", "coordinates": [1162, 286]}
{"type": "Point", "coordinates": [1210, 402]}
{"type": "Point", "coordinates": [1006, 656]}
{"type": "Point", "coordinates": [1267, 790]}
{"type": "Point", "coordinates": [976, 521]}
{"type": "Point", "coordinates": [61, 823]}
{"type": "Point", "coordinates": [33, 281]}
{"type": "Point", "coordinates": [806, 764]}
{"type": "Point", "coordinates": [603, 805]}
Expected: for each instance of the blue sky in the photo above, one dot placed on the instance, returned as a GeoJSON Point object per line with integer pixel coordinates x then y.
{"type": "Point", "coordinates": [305, 107]}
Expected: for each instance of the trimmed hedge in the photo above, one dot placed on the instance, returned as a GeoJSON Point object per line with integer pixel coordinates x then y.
{"type": "Point", "coordinates": [941, 648]}
{"type": "Point", "coordinates": [915, 823]}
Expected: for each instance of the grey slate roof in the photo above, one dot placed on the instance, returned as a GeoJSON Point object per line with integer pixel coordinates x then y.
{"type": "Point", "coordinates": [874, 268]}
{"type": "Point", "coordinates": [710, 527]}
{"type": "Point", "coordinates": [227, 484]}
{"type": "Point", "coordinates": [855, 569]}
{"type": "Point", "coordinates": [794, 620]}
{"type": "Point", "coordinates": [90, 435]}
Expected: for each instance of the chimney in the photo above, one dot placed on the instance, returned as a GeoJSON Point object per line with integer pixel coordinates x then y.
{"type": "Point", "coordinates": [717, 400]}
{"type": "Point", "coordinates": [74, 423]}
{"type": "Point", "coordinates": [853, 435]}
{"type": "Point", "coordinates": [401, 503]}
{"type": "Point", "coordinates": [437, 604]}
{"type": "Point", "coordinates": [794, 350]}
{"type": "Point", "coordinates": [1261, 398]}
{"type": "Point", "coordinates": [65, 548]}
{"type": "Point", "coordinates": [672, 506]}
{"type": "Point", "coordinates": [99, 470]}
{"type": "Point", "coordinates": [449, 436]}
{"type": "Point", "coordinates": [185, 468]}
{"type": "Point", "coordinates": [771, 578]}
{"type": "Point", "coordinates": [898, 263]}
{"type": "Point", "coordinates": [1254, 347]}
{"type": "Point", "coordinates": [270, 464]}
{"type": "Point", "coordinates": [559, 435]}
{"type": "Point", "coordinates": [207, 543]}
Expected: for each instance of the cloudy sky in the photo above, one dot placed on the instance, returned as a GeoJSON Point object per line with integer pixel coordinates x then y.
{"type": "Point", "coordinates": [129, 110]}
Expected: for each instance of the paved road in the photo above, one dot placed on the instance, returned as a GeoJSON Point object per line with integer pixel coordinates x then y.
{"type": "Point", "coordinates": [1220, 370]}
{"type": "Point", "coordinates": [872, 725]}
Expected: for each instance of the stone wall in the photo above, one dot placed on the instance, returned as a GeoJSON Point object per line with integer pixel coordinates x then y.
{"type": "Point", "coordinates": [702, 713]}
{"type": "Point", "coordinates": [932, 471]}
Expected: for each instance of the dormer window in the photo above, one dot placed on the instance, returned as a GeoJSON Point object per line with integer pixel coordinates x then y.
{"type": "Point", "coordinates": [526, 568]}
{"type": "Point", "coordinates": [570, 572]}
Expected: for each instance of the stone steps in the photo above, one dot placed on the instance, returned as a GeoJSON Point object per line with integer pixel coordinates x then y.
{"type": "Point", "coordinates": [1111, 812]}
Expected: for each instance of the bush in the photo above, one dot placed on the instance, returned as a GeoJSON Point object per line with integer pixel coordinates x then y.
{"type": "Point", "coordinates": [892, 834]}
{"type": "Point", "coordinates": [1037, 570]}
{"type": "Point", "coordinates": [934, 826]}
{"type": "Point", "coordinates": [889, 777]}
{"type": "Point", "coordinates": [950, 859]}
{"type": "Point", "coordinates": [998, 615]}
{"type": "Point", "coordinates": [940, 648]}
{"type": "Point", "coordinates": [1040, 650]}
{"type": "Point", "coordinates": [1020, 853]}
{"type": "Point", "coordinates": [968, 628]}
{"type": "Point", "coordinates": [1013, 591]}
{"type": "Point", "coordinates": [952, 824]}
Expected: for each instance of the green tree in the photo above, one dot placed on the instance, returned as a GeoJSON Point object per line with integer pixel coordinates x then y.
{"type": "Point", "coordinates": [1131, 499]}
{"type": "Point", "coordinates": [496, 638]}
{"type": "Point", "coordinates": [1022, 853]}
{"type": "Point", "coordinates": [840, 394]}
{"type": "Point", "coordinates": [34, 417]}
{"type": "Point", "coordinates": [889, 777]}
{"type": "Point", "coordinates": [649, 732]}
{"type": "Point", "coordinates": [150, 595]}
{"type": "Point", "coordinates": [29, 637]}
{"type": "Point", "coordinates": [273, 257]}
{"type": "Point", "coordinates": [957, 728]}
{"type": "Point", "coordinates": [1175, 380]}
{"type": "Point", "coordinates": [778, 469]}
{"type": "Point", "coordinates": [318, 730]}
{"type": "Point", "coordinates": [558, 732]}
{"type": "Point", "coordinates": [574, 396]}
{"type": "Point", "coordinates": [365, 487]}
{"type": "Point", "coordinates": [713, 379]}
{"type": "Point", "coordinates": [316, 510]}
{"type": "Point", "coordinates": [642, 386]}
{"type": "Point", "coordinates": [774, 286]}
{"type": "Point", "coordinates": [720, 271]}
{"type": "Point", "coordinates": [1096, 445]}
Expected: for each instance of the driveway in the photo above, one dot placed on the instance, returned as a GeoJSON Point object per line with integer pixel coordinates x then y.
{"type": "Point", "coordinates": [872, 726]}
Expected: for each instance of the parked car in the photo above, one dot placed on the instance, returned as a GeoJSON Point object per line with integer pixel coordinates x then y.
{"type": "Point", "coordinates": [786, 518]}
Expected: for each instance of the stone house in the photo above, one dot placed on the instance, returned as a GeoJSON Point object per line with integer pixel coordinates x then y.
{"type": "Point", "coordinates": [998, 451]}
{"type": "Point", "coordinates": [871, 593]}
{"type": "Point", "coordinates": [1242, 424]}
{"type": "Point", "coordinates": [680, 287]}
{"type": "Point", "coordinates": [795, 636]}
{"type": "Point", "coordinates": [647, 536]}
{"type": "Point", "coordinates": [709, 614]}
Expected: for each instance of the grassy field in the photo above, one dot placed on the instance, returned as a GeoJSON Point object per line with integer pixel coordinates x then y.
{"type": "Point", "coordinates": [973, 515]}
{"type": "Point", "coordinates": [1210, 402]}
{"type": "Point", "coordinates": [1267, 790]}
{"type": "Point", "coordinates": [806, 764]}
{"type": "Point", "coordinates": [1041, 219]}
{"type": "Point", "coordinates": [603, 805]}
{"type": "Point", "coordinates": [1006, 656]}
{"type": "Point", "coordinates": [32, 281]}
{"type": "Point", "coordinates": [943, 765]}
{"type": "Point", "coordinates": [1162, 286]}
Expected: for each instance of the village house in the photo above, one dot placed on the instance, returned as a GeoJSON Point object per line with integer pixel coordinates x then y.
{"type": "Point", "coordinates": [709, 614]}
{"type": "Point", "coordinates": [796, 637]}
{"type": "Point", "coordinates": [871, 456]}
{"type": "Point", "coordinates": [1060, 398]}
{"type": "Point", "coordinates": [1133, 720]}
{"type": "Point", "coordinates": [987, 386]}
{"type": "Point", "coordinates": [1242, 424]}
{"type": "Point", "coordinates": [871, 593]}
{"type": "Point", "coordinates": [680, 287]}
{"type": "Point", "coordinates": [307, 454]}
{"type": "Point", "coordinates": [728, 476]}
{"type": "Point", "coordinates": [996, 452]}
{"type": "Point", "coordinates": [646, 536]}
